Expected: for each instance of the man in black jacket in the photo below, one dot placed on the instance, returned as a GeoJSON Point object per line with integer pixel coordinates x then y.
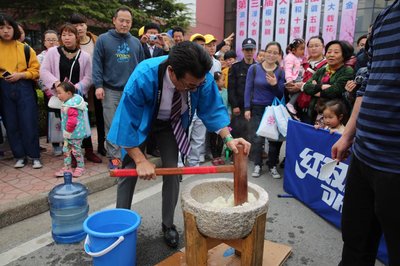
{"type": "Point", "coordinates": [236, 85]}
{"type": "Point", "coordinates": [151, 40]}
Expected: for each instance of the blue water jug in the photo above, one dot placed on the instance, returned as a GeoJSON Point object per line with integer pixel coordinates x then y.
{"type": "Point", "coordinates": [68, 210]}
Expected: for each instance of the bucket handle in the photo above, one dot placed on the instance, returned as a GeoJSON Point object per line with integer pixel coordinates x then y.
{"type": "Point", "coordinates": [104, 251]}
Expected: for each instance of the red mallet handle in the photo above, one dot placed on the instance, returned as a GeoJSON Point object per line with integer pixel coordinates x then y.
{"type": "Point", "coordinates": [199, 170]}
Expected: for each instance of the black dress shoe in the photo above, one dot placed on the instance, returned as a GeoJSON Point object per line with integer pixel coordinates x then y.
{"type": "Point", "coordinates": [171, 236]}
{"type": "Point", "coordinates": [101, 150]}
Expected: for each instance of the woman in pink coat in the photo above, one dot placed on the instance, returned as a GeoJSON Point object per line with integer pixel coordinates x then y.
{"type": "Point", "coordinates": [67, 61]}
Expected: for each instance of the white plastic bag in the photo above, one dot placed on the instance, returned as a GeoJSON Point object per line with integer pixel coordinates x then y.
{"type": "Point", "coordinates": [54, 102]}
{"type": "Point", "coordinates": [282, 116]}
{"type": "Point", "coordinates": [55, 134]}
{"type": "Point", "coordinates": [267, 127]}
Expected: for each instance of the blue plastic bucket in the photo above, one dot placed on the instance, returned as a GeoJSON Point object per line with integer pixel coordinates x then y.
{"type": "Point", "coordinates": [111, 237]}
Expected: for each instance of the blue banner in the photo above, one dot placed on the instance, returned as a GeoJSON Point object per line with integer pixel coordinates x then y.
{"type": "Point", "coordinates": [307, 149]}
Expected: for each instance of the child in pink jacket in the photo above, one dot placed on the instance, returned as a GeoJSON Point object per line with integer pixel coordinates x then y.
{"type": "Point", "coordinates": [294, 69]}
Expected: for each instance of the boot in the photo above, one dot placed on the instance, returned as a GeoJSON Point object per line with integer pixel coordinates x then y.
{"type": "Point", "coordinates": [90, 156]}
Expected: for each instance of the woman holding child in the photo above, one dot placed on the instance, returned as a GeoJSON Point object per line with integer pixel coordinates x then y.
{"type": "Point", "coordinates": [67, 62]}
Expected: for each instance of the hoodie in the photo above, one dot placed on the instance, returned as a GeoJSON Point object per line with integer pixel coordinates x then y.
{"type": "Point", "coordinates": [114, 59]}
{"type": "Point", "coordinates": [72, 118]}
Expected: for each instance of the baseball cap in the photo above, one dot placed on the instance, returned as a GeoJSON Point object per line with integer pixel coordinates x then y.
{"type": "Point", "coordinates": [141, 31]}
{"type": "Point", "coordinates": [249, 43]}
{"type": "Point", "coordinates": [197, 36]}
{"type": "Point", "coordinates": [209, 38]}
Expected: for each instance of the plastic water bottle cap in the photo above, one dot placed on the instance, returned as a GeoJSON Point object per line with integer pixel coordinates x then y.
{"type": "Point", "coordinates": [67, 177]}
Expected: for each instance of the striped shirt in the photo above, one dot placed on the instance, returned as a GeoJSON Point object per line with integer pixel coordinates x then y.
{"type": "Point", "coordinates": [377, 142]}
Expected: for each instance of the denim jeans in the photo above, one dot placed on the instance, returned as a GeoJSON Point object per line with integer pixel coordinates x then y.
{"type": "Point", "coordinates": [257, 142]}
{"type": "Point", "coordinates": [20, 117]}
{"type": "Point", "coordinates": [170, 189]}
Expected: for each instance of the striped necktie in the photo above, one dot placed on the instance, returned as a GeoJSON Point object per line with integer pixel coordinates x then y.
{"type": "Point", "coordinates": [180, 134]}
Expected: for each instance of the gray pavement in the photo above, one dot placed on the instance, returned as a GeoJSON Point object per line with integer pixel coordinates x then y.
{"type": "Point", "coordinates": [289, 222]}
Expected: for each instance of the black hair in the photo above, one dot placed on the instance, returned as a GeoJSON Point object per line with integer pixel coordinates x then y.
{"type": "Point", "coordinates": [5, 19]}
{"type": "Point", "coordinates": [68, 27]}
{"type": "Point", "coordinates": [67, 87]}
{"type": "Point", "coordinates": [364, 36]}
{"type": "Point", "coordinates": [189, 57]}
{"type": "Point", "coordinates": [295, 44]}
{"type": "Point", "coordinates": [339, 108]}
{"type": "Point", "coordinates": [122, 8]}
{"type": "Point", "coordinates": [274, 43]}
{"type": "Point", "coordinates": [177, 29]}
{"type": "Point", "coordinates": [153, 26]}
{"type": "Point", "coordinates": [49, 32]}
{"type": "Point", "coordinates": [349, 46]}
{"type": "Point", "coordinates": [259, 51]}
{"type": "Point", "coordinates": [347, 51]}
{"type": "Point", "coordinates": [77, 18]}
{"type": "Point", "coordinates": [230, 54]}
{"type": "Point", "coordinates": [316, 37]}
{"type": "Point", "coordinates": [217, 75]}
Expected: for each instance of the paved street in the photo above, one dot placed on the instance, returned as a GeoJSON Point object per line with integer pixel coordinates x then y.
{"type": "Point", "coordinates": [314, 241]}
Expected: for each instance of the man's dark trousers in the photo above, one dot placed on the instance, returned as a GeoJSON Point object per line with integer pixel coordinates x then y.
{"type": "Point", "coordinates": [369, 194]}
{"type": "Point", "coordinates": [170, 190]}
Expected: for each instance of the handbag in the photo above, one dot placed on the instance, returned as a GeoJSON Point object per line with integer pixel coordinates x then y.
{"type": "Point", "coordinates": [54, 133]}
{"type": "Point", "coordinates": [282, 116]}
{"type": "Point", "coordinates": [268, 127]}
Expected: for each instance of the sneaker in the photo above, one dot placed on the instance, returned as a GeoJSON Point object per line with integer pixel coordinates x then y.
{"type": "Point", "coordinates": [202, 158]}
{"type": "Point", "coordinates": [36, 164]}
{"type": "Point", "coordinates": [78, 172]}
{"type": "Point", "coordinates": [114, 163]}
{"type": "Point", "coordinates": [274, 173]}
{"type": "Point", "coordinates": [20, 163]}
{"type": "Point", "coordinates": [256, 171]}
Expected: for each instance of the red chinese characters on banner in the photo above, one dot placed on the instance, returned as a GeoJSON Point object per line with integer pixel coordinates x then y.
{"type": "Point", "coordinates": [297, 19]}
{"type": "Point", "coordinates": [241, 25]}
{"type": "Point", "coordinates": [268, 18]}
{"type": "Point", "coordinates": [282, 19]}
{"type": "Point", "coordinates": [331, 12]}
{"type": "Point", "coordinates": [254, 19]}
{"type": "Point", "coordinates": [313, 18]}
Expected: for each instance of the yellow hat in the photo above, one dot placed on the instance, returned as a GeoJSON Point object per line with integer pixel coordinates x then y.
{"type": "Point", "coordinates": [141, 31]}
{"type": "Point", "coordinates": [209, 38]}
{"type": "Point", "coordinates": [197, 36]}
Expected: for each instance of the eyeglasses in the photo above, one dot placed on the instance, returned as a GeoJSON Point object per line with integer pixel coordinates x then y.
{"type": "Point", "coordinates": [272, 52]}
{"type": "Point", "coordinates": [51, 40]}
{"type": "Point", "coordinates": [191, 87]}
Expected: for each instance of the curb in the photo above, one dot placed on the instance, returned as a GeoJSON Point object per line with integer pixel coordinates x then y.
{"type": "Point", "coordinates": [22, 209]}
{"type": "Point", "coordinates": [14, 212]}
